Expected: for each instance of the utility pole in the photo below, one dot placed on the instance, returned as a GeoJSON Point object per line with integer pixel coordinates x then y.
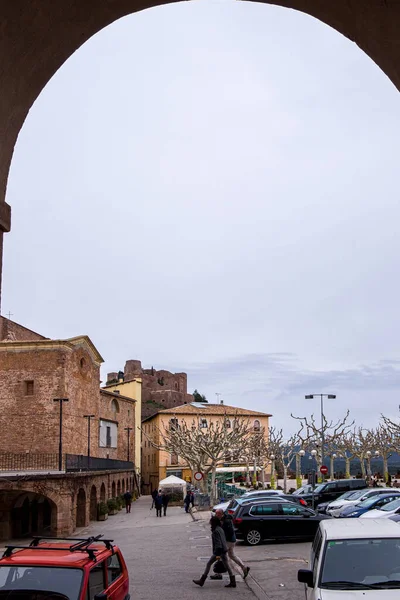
{"type": "Point", "coordinates": [88, 417]}
{"type": "Point", "coordinates": [61, 401]}
{"type": "Point", "coordinates": [128, 430]}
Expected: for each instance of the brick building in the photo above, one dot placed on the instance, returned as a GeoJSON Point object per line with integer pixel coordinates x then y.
{"type": "Point", "coordinates": [159, 389]}
{"type": "Point", "coordinates": [34, 372]}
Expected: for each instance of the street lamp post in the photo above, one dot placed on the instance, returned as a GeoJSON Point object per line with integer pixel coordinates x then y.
{"type": "Point", "coordinates": [272, 457]}
{"type": "Point", "coordinates": [332, 469]}
{"type": "Point", "coordinates": [368, 456]}
{"type": "Point", "coordinates": [322, 396]}
{"type": "Point", "coordinates": [299, 456]}
{"type": "Point", "coordinates": [61, 401]}
{"type": "Point", "coordinates": [314, 455]}
{"type": "Point", "coordinates": [88, 417]}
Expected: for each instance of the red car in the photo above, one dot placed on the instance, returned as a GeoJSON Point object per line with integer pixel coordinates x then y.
{"type": "Point", "coordinates": [55, 569]}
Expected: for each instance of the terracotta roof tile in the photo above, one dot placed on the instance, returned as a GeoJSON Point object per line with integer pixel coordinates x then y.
{"type": "Point", "coordinates": [212, 409]}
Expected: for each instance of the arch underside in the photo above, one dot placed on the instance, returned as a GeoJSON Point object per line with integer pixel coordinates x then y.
{"type": "Point", "coordinates": [38, 36]}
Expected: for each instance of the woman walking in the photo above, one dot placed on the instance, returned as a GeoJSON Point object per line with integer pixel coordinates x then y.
{"type": "Point", "coordinates": [219, 550]}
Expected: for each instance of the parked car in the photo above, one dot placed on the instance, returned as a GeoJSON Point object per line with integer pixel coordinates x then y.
{"type": "Point", "coordinates": [330, 490]}
{"type": "Point", "coordinates": [234, 504]}
{"type": "Point", "coordinates": [335, 508]}
{"type": "Point", "coordinates": [370, 503]}
{"type": "Point", "coordinates": [253, 494]}
{"type": "Point", "coordinates": [346, 496]}
{"type": "Point", "coordinates": [362, 558]}
{"type": "Point", "coordinates": [384, 512]}
{"type": "Point", "coordinates": [75, 569]}
{"type": "Point", "coordinates": [275, 519]}
{"type": "Point", "coordinates": [305, 489]}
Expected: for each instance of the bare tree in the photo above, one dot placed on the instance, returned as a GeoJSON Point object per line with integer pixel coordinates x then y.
{"type": "Point", "coordinates": [384, 443]}
{"type": "Point", "coordinates": [256, 452]}
{"type": "Point", "coordinates": [204, 445]}
{"type": "Point", "coordinates": [363, 445]}
{"type": "Point", "coordinates": [347, 446]}
{"type": "Point", "coordinates": [284, 451]}
{"type": "Point", "coordinates": [310, 434]}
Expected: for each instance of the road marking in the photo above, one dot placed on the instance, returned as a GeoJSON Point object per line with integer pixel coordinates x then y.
{"type": "Point", "coordinates": [200, 537]}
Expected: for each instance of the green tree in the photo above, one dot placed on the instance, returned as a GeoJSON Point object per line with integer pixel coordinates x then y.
{"type": "Point", "coordinates": [197, 397]}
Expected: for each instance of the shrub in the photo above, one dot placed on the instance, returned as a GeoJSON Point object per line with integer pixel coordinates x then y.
{"type": "Point", "coordinates": [112, 504]}
{"type": "Point", "coordinates": [102, 508]}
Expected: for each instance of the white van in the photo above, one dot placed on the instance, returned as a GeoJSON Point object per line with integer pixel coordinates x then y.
{"type": "Point", "coordinates": [357, 556]}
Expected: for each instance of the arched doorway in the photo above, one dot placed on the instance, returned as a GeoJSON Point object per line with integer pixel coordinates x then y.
{"type": "Point", "coordinates": [113, 489]}
{"type": "Point", "coordinates": [93, 503]}
{"type": "Point", "coordinates": [123, 486]}
{"type": "Point", "coordinates": [118, 488]}
{"type": "Point", "coordinates": [103, 493]}
{"type": "Point", "coordinates": [81, 508]}
{"type": "Point", "coordinates": [32, 514]}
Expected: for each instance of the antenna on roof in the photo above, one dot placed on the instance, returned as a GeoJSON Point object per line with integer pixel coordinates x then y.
{"type": "Point", "coordinates": [218, 400]}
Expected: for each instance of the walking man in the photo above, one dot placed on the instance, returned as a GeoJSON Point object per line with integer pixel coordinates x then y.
{"type": "Point", "coordinates": [165, 500]}
{"type": "Point", "coordinates": [227, 525]}
{"type": "Point", "coordinates": [153, 495]}
{"type": "Point", "coordinates": [158, 504]}
{"type": "Point", "coordinates": [219, 551]}
{"type": "Point", "coordinates": [128, 501]}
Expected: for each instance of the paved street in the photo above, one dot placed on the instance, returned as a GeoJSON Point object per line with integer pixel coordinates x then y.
{"type": "Point", "coordinates": [164, 555]}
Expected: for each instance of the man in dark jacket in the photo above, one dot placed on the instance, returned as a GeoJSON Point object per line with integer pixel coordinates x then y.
{"type": "Point", "coordinates": [229, 530]}
{"type": "Point", "coordinates": [128, 501]}
{"type": "Point", "coordinates": [165, 500]}
{"type": "Point", "coordinates": [154, 496]}
{"type": "Point", "coordinates": [158, 504]}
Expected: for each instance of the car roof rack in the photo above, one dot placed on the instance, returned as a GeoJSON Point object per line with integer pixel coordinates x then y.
{"type": "Point", "coordinates": [81, 545]}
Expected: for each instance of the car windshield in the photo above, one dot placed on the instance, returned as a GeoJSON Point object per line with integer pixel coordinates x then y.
{"type": "Point", "coordinates": [348, 495]}
{"type": "Point", "coordinates": [319, 488]}
{"type": "Point", "coordinates": [361, 564]}
{"type": "Point", "coordinates": [306, 489]}
{"type": "Point", "coordinates": [391, 505]}
{"type": "Point", "coordinates": [356, 495]}
{"type": "Point", "coordinates": [368, 502]}
{"type": "Point", "coordinates": [50, 579]}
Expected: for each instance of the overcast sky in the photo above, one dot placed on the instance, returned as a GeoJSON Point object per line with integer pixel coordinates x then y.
{"type": "Point", "coordinates": [213, 187]}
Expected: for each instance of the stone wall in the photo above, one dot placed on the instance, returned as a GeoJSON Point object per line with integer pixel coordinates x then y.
{"type": "Point", "coordinates": [15, 332]}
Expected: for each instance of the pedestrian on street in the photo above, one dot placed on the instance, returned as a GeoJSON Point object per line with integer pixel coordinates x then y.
{"type": "Point", "coordinates": [187, 501]}
{"type": "Point", "coordinates": [219, 551]}
{"type": "Point", "coordinates": [229, 530]}
{"type": "Point", "coordinates": [154, 496]}
{"type": "Point", "coordinates": [158, 504]}
{"type": "Point", "coordinates": [128, 501]}
{"type": "Point", "coordinates": [165, 500]}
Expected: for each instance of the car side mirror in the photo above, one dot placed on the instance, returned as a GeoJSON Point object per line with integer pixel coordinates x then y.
{"type": "Point", "coordinates": [101, 596]}
{"type": "Point", "coordinates": [305, 576]}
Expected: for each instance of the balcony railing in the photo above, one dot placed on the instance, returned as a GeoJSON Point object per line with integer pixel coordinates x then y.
{"type": "Point", "coordinates": [11, 462]}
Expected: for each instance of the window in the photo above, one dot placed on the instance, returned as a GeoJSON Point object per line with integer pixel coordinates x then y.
{"type": "Point", "coordinates": [96, 581]}
{"type": "Point", "coordinates": [174, 424]}
{"type": "Point", "coordinates": [115, 406]}
{"type": "Point", "coordinates": [203, 424]}
{"type": "Point", "coordinates": [288, 509]}
{"type": "Point", "coordinates": [148, 460]}
{"type": "Point", "coordinates": [28, 388]}
{"type": "Point", "coordinates": [315, 552]}
{"type": "Point", "coordinates": [174, 458]}
{"type": "Point", "coordinates": [113, 568]}
{"type": "Point", "coordinates": [82, 362]}
{"type": "Point", "coordinates": [265, 509]}
{"type": "Point", "coordinates": [257, 425]}
{"type": "Point", "coordinates": [108, 437]}
{"type": "Point", "coordinates": [228, 424]}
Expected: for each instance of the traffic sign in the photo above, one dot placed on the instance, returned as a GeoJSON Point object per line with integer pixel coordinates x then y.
{"type": "Point", "coordinates": [198, 476]}
{"type": "Point", "coordinates": [324, 469]}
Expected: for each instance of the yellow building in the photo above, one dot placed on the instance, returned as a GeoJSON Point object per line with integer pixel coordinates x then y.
{"type": "Point", "coordinates": [132, 389]}
{"type": "Point", "coordinates": [158, 464]}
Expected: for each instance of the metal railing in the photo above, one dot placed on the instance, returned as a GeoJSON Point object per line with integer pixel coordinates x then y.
{"type": "Point", "coordinates": [28, 461]}
{"type": "Point", "coordinates": [80, 462]}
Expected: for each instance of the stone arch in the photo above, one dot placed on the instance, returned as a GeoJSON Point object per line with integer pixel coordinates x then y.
{"type": "Point", "coordinates": [102, 493]}
{"type": "Point", "coordinates": [32, 514]}
{"type": "Point", "coordinates": [81, 508]}
{"type": "Point", "coordinates": [113, 489]}
{"type": "Point", "coordinates": [123, 486]}
{"type": "Point", "coordinates": [119, 488]}
{"type": "Point", "coordinates": [93, 503]}
{"type": "Point", "coordinates": [28, 61]}
{"type": "Point", "coordinates": [115, 406]}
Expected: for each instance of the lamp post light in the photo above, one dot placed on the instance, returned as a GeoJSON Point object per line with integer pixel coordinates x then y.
{"type": "Point", "coordinates": [322, 396]}
{"type": "Point", "coordinates": [272, 457]}
{"type": "Point", "coordinates": [314, 473]}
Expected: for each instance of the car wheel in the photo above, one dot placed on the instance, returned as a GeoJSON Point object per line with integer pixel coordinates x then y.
{"type": "Point", "coordinates": [253, 537]}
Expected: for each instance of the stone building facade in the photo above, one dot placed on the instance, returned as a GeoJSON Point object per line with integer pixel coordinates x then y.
{"type": "Point", "coordinates": [161, 389]}
{"type": "Point", "coordinates": [35, 497]}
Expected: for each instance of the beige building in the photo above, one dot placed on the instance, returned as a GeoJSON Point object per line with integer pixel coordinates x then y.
{"type": "Point", "coordinates": [158, 464]}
